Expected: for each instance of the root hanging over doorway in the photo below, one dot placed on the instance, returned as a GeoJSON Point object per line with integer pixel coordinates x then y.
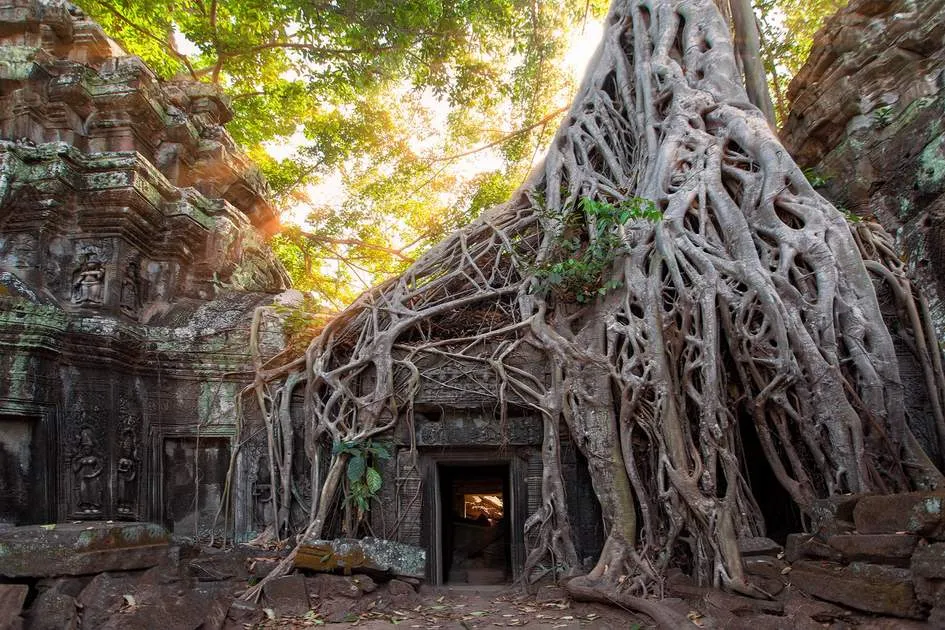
{"type": "Point", "coordinates": [740, 296]}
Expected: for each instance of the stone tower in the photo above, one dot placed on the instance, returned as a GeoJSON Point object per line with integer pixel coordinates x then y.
{"type": "Point", "coordinates": [132, 256]}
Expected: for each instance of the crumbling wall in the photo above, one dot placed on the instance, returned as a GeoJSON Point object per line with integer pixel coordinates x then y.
{"type": "Point", "coordinates": [133, 254]}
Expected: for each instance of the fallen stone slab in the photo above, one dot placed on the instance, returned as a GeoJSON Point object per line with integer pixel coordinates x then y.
{"type": "Point", "coordinates": [809, 546]}
{"type": "Point", "coordinates": [39, 551]}
{"type": "Point", "coordinates": [365, 554]}
{"type": "Point", "coordinates": [920, 513]}
{"type": "Point", "coordinates": [894, 549]}
{"type": "Point", "coordinates": [869, 587]}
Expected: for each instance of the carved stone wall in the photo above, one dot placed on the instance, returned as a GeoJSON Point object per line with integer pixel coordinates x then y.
{"type": "Point", "coordinates": [132, 256]}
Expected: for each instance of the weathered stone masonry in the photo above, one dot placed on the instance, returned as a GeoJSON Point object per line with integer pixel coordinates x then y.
{"type": "Point", "coordinates": [132, 255]}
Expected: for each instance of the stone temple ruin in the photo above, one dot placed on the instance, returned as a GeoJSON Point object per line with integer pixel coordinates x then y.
{"type": "Point", "coordinates": [132, 255]}
{"type": "Point", "coordinates": [467, 459]}
{"type": "Point", "coordinates": [132, 259]}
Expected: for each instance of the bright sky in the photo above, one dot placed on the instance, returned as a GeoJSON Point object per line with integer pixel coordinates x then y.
{"type": "Point", "coordinates": [331, 189]}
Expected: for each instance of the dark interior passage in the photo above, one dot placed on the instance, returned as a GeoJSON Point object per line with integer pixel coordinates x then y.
{"type": "Point", "coordinates": [474, 524]}
{"type": "Point", "coordinates": [782, 516]}
{"type": "Point", "coordinates": [20, 478]}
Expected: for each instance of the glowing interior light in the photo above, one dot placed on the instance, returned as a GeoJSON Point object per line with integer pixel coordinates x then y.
{"type": "Point", "coordinates": [488, 506]}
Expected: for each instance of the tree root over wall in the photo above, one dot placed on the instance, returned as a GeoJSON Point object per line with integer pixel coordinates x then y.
{"type": "Point", "coordinates": [749, 303]}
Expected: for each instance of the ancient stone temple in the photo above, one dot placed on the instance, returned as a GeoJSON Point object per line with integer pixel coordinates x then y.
{"type": "Point", "coordinates": [868, 121]}
{"type": "Point", "coordinates": [132, 256]}
{"type": "Point", "coordinates": [474, 478]}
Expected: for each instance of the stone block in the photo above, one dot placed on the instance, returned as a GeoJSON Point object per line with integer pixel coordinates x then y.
{"type": "Point", "coordinates": [287, 596]}
{"type": "Point", "coordinates": [54, 606]}
{"type": "Point", "coordinates": [758, 546]}
{"type": "Point", "coordinates": [839, 507]}
{"type": "Point", "coordinates": [366, 554]}
{"type": "Point", "coordinates": [893, 549]}
{"type": "Point", "coordinates": [919, 513]}
{"type": "Point", "coordinates": [52, 610]}
{"type": "Point", "coordinates": [766, 573]}
{"type": "Point", "coordinates": [12, 597]}
{"type": "Point", "coordinates": [103, 597]}
{"type": "Point", "coordinates": [243, 613]}
{"type": "Point", "coordinates": [869, 587]}
{"type": "Point", "coordinates": [327, 586]}
{"type": "Point", "coordinates": [80, 549]}
{"type": "Point", "coordinates": [928, 561]}
{"type": "Point", "coordinates": [401, 593]}
{"type": "Point", "coordinates": [810, 546]}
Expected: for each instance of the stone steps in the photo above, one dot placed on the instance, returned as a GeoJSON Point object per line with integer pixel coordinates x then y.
{"type": "Point", "coordinates": [892, 561]}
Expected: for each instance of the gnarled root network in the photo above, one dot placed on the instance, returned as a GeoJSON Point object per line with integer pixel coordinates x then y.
{"type": "Point", "coordinates": [747, 306]}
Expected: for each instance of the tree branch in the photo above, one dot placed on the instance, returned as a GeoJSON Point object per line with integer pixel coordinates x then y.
{"type": "Point", "coordinates": [355, 242]}
{"type": "Point", "coordinates": [544, 121]}
{"type": "Point", "coordinates": [167, 46]}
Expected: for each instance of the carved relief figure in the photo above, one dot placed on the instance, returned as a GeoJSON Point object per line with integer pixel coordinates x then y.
{"type": "Point", "coordinates": [130, 293]}
{"type": "Point", "coordinates": [87, 467]}
{"type": "Point", "coordinates": [88, 286]}
{"type": "Point", "coordinates": [23, 251]}
{"type": "Point", "coordinates": [127, 473]}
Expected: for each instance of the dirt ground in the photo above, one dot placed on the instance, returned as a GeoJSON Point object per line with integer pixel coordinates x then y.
{"type": "Point", "coordinates": [477, 607]}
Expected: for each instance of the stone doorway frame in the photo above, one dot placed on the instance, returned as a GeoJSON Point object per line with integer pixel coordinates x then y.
{"type": "Point", "coordinates": [45, 415]}
{"type": "Point", "coordinates": [162, 433]}
{"type": "Point", "coordinates": [432, 511]}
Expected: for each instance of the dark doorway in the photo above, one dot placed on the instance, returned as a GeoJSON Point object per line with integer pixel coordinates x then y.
{"type": "Point", "coordinates": [474, 524]}
{"type": "Point", "coordinates": [194, 478]}
{"type": "Point", "coordinates": [20, 495]}
{"type": "Point", "coordinates": [781, 514]}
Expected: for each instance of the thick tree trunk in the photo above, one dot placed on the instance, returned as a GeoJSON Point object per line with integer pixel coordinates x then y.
{"type": "Point", "coordinates": [746, 307]}
{"type": "Point", "coordinates": [748, 46]}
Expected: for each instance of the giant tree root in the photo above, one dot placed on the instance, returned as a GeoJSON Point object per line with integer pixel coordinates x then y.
{"type": "Point", "coordinates": [585, 590]}
{"type": "Point", "coordinates": [745, 307]}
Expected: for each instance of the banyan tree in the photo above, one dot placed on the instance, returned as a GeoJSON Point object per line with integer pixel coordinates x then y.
{"type": "Point", "coordinates": [682, 283]}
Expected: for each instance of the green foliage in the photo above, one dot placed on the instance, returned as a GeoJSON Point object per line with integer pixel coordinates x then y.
{"type": "Point", "coordinates": [585, 256]}
{"type": "Point", "coordinates": [815, 177]}
{"type": "Point", "coordinates": [300, 322]}
{"type": "Point", "coordinates": [849, 216]}
{"type": "Point", "coordinates": [383, 98]}
{"type": "Point", "coordinates": [364, 479]}
{"type": "Point", "coordinates": [787, 34]}
{"type": "Point", "coordinates": [882, 116]}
